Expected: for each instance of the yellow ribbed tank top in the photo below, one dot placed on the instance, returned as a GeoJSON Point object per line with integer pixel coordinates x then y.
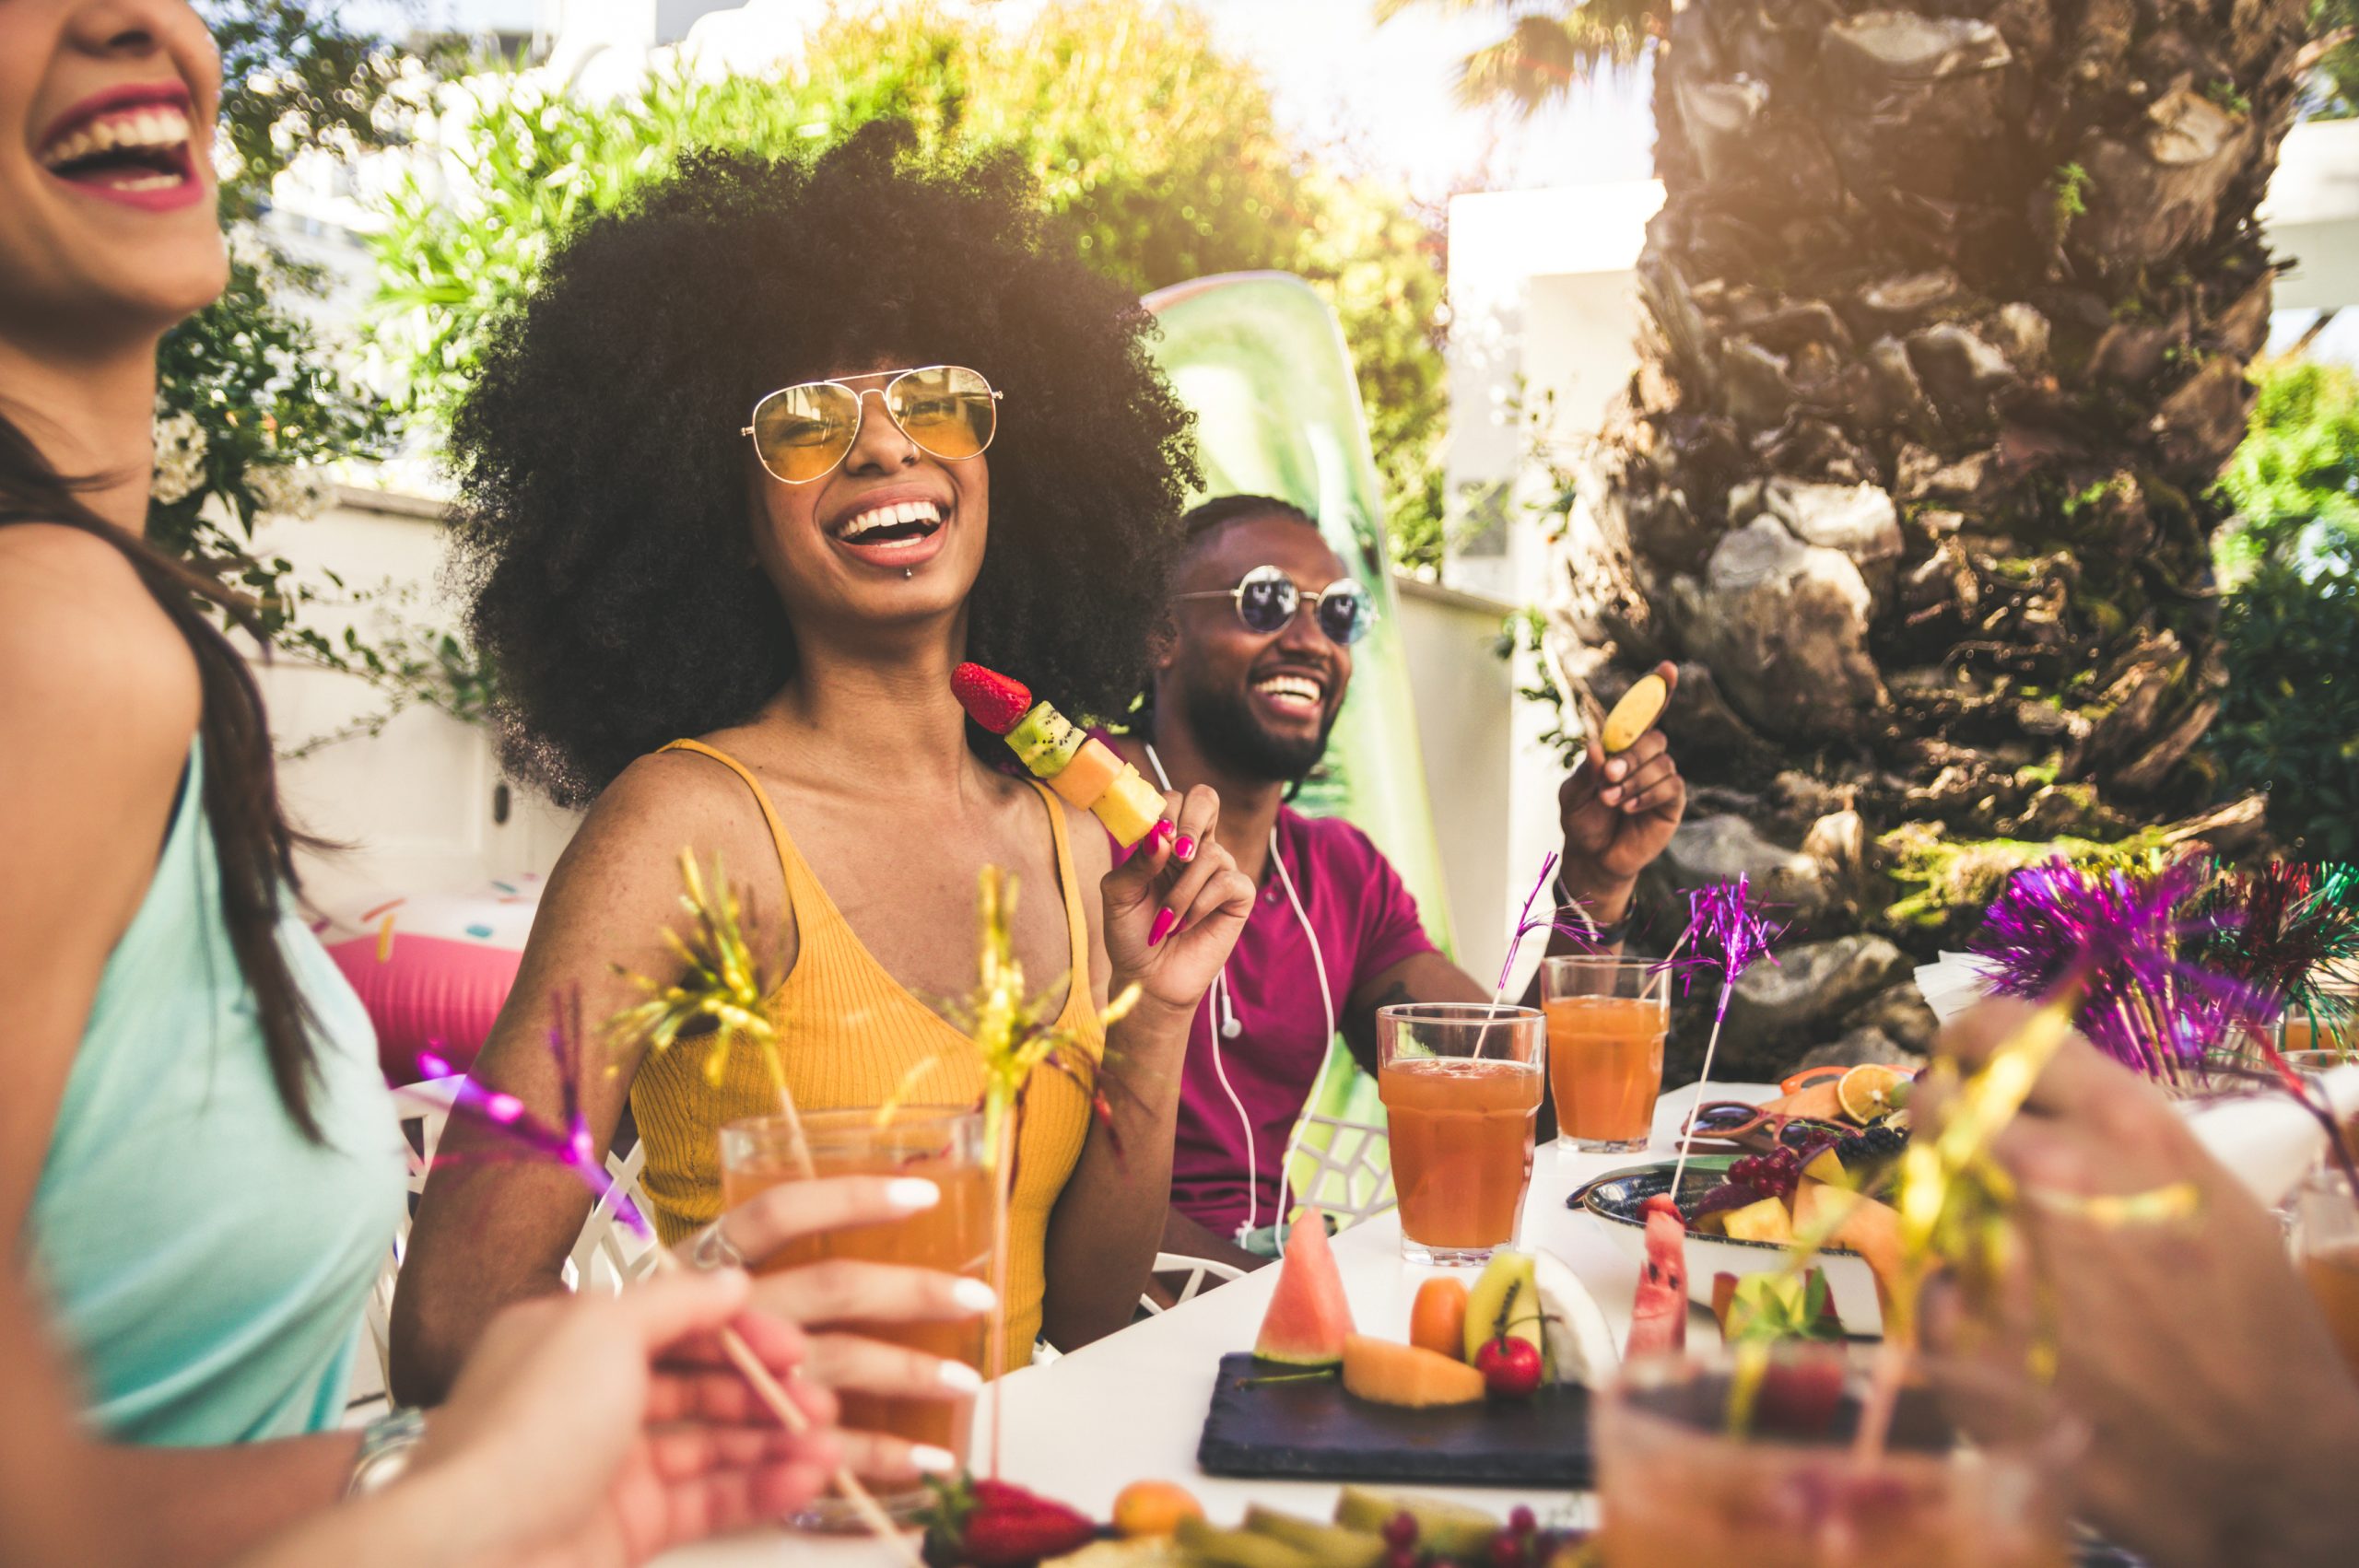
{"type": "Point", "coordinates": [851, 1036]}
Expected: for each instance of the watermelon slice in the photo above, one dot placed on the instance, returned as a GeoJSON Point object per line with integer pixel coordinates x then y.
{"type": "Point", "coordinates": [1309, 1319]}
{"type": "Point", "coordinates": [993, 700]}
{"type": "Point", "coordinates": [1659, 1312]}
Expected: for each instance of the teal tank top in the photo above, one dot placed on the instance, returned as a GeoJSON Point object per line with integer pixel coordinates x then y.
{"type": "Point", "coordinates": [205, 1262]}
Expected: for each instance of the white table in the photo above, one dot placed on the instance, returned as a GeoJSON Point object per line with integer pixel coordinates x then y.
{"type": "Point", "coordinates": [1132, 1406]}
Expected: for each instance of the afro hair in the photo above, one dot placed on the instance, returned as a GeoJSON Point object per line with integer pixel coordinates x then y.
{"type": "Point", "coordinates": [602, 532]}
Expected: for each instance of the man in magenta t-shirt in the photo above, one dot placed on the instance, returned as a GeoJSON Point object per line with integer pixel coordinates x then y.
{"type": "Point", "coordinates": [1246, 685]}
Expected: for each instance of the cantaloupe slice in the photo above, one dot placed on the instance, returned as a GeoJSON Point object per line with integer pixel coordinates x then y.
{"type": "Point", "coordinates": [1867, 1227]}
{"type": "Point", "coordinates": [1390, 1373]}
{"type": "Point", "coordinates": [1091, 772]}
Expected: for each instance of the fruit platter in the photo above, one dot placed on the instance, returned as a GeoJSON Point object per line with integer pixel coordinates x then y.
{"type": "Point", "coordinates": [1488, 1385]}
{"type": "Point", "coordinates": [1809, 1161]}
{"type": "Point", "coordinates": [1159, 1525]}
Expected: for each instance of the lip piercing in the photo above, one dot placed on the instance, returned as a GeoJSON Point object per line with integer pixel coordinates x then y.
{"type": "Point", "coordinates": [909, 571]}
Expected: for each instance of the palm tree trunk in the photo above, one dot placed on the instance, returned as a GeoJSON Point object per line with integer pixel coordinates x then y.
{"type": "Point", "coordinates": [1949, 311]}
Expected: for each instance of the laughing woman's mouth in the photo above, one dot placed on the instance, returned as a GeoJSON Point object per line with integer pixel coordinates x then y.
{"type": "Point", "coordinates": [899, 534]}
{"type": "Point", "coordinates": [129, 148]}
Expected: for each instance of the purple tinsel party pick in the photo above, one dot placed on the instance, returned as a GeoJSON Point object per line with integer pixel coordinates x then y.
{"type": "Point", "coordinates": [2119, 933]}
{"type": "Point", "coordinates": [1526, 924]}
{"type": "Point", "coordinates": [1727, 934]}
{"type": "Point", "coordinates": [523, 1137]}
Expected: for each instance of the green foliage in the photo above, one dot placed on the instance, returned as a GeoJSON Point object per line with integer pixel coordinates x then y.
{"type": "Point", "coordinates": [2068, 195]}
{"type": "Point", "coordinates": [2333, 89]}
{"type": "Point", "coordinates": [1162, 153]}
{"type": "Point", "coordinates": [1953, 880]}
{"type": "Point", "coordinates": [2294, 481]}
{"type": "Point", "coordinates": [249, 413]}
{"type": "Point", "coordinates": [2289, 722]}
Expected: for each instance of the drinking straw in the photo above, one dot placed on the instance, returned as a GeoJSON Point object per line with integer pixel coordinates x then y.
{"type": "Point", "coordinates": [523, 1137]}
{"type": "Point", "coordinates": [1730, 933]}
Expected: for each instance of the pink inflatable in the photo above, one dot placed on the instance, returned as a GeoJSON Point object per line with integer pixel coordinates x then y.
{"type": "Point", "coordinates": [434, 969]}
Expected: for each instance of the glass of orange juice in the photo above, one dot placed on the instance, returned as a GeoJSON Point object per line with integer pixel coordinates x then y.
{"type": "Point", "coordinates": [946, 1146]}
{"type": "Point", "coordinates": [2326, 1244]}
{"type": "Point", "coordinates": [1607, 1021]}
{"type": "Point", "coordinates": [1970, 1476]}
{"type": "Point", "coordinates": [1460, 1085]}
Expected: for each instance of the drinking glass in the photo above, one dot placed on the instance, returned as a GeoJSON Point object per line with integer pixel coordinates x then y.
{"type": "Point", "coordinates": [2327, 1023]}
{"type": "Point", "coordinates": [1607, 1020]}
{"type": "Point", "coordinates": [942, 1144]}
{"type": "Point", "coordinates": [2326, 1245]}
{"type": "Point", "coordinates": [1460, 1084]}
{"type": "Point", "coordinates": [1970, 1476]}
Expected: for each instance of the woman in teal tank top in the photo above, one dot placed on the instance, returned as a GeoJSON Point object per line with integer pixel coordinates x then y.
{"type": "Point", "coordinates": [206, 1259]}
{"type": "Point", "coordinates": [199, 1167]}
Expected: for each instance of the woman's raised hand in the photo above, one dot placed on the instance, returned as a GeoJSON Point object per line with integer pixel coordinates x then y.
{"type": "Point", "coordinates": [825, 1299]}
{"type": "Point", "coordinates": [1175, 909]}
{"type": "Point", "coordinates": [605, 1430]}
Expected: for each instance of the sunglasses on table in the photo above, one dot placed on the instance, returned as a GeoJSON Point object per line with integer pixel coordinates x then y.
{"type": "Point", "coordinates": [1267, 599]}
{"type": "Point", "coordinates": [805, 431]}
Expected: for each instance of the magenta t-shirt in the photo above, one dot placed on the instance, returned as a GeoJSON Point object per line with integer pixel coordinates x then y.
{"type": "Point", "coordinates": [1366, 921]}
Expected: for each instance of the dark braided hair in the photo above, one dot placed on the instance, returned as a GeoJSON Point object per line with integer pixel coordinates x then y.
{"type": "Point", "coordinates": [252, 844]}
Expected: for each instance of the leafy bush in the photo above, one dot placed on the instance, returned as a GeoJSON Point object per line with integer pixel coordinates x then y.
{"type": "Point", "coordinates": [2290, 623]}
{"type": "Point", "coordinates": [2290, 723]}
{"type": "Point", "coordinates": [1164, 154]}
{"type": "Point", "coordinates": [251, 413]}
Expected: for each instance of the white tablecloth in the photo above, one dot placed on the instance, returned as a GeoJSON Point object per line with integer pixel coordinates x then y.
{"type": "Point", "coordinates": [1132, 1406]}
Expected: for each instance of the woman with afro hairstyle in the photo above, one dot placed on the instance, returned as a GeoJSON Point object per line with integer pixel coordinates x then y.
{"type": "Point", "coordinates": [641, 575]}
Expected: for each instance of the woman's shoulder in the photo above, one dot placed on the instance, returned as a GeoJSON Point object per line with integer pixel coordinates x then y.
{"type": "Point", "coordinates": [84, 645]}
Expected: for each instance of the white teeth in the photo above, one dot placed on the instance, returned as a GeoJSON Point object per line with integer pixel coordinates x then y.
{"type": "Point", "coordinates": [134, 128]}
{"type": "Point", "coordinates": [1290, 685]}
{"type": "Point", "coordinates": [889, 516]}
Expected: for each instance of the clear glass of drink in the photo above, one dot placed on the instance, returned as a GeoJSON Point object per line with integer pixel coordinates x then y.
{"type": "Point", "coordinates": [1461, 1083]}
{"type": "Point", "coordinates": [2326, 1245]}
{"type": "Point", "coordinates": [1607, 1021]}
{"type": "Point", "coordinates": [942, 1144]}
{"type": "Point", "coordinates": [1971, 1475]}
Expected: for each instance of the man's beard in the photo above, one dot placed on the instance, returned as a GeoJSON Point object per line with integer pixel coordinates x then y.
{"type": "Point", "coordinates": [1235, 741]}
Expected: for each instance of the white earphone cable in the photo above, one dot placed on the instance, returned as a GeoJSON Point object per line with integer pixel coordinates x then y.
{"type": "Point", "coordinates": [1223, 1022]}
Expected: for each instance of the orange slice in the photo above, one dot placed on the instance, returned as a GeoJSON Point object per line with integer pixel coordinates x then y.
{"type": "Point", "coordinates": [1865, 1092]}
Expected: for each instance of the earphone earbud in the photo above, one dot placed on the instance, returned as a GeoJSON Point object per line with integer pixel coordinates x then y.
{"type": "Point", "coordinates": [1231, 1029]}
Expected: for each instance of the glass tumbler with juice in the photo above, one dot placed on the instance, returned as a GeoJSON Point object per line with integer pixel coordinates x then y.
{"type": "Point", "coordinates": [1461, 1083]}
{"type": "Point", "coordinates": [2326, 1244]}
{"type": "Point", "coordinates": [944, 1145]}
{"type": "Point", "coordinates": [1607, 1021]}
{"type": "Point", "coordinates": [1970, 1477]}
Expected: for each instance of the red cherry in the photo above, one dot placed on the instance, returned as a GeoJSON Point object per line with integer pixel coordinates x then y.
{"type": "Point", "coordinates": [1522, 1521]}
{"type": "Point", "coordinates": [1506, 1552]}
{"type": "Point", "coordinates": [1511, 1367]}
{"type": "Point", "coordinates": [1400, 1557]}
{"type": "Point", "coordinates": [1400, 1530]}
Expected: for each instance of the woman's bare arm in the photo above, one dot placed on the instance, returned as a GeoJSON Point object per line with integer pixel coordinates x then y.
{"type": "Point", "coordinates": [491, 1234]}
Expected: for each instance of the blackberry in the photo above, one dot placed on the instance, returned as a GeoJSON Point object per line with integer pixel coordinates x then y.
{"type": "Point", "coordinates": [1877, 1142]}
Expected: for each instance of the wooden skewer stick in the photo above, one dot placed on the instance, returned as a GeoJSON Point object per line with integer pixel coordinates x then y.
{"type": "Point", "coordinates": [790, 1415]}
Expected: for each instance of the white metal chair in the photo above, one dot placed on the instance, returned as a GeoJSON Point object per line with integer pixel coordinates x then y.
{"type": "Point", "coordinates": [1197, 1269]}
{"type": "Point", "coordinates": [1347, 1172]}
{"type": "Point", "coordinates": [608, 1255]}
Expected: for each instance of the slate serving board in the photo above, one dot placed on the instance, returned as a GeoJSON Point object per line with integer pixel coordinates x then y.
{"type": "Point", "coordinates": [1314, 1431]}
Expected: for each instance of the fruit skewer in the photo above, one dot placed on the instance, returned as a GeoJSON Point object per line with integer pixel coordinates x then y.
{"type": "Point", "coordinates": [1080, 767]}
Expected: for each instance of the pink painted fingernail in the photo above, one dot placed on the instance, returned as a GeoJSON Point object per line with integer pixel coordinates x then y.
{"type": "Point", "coordinates": [1164, 830]}
{"type": "Point", "coordinates": [1185, 847]}
{"type": "Point", "coordinates": [1164, 920]}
